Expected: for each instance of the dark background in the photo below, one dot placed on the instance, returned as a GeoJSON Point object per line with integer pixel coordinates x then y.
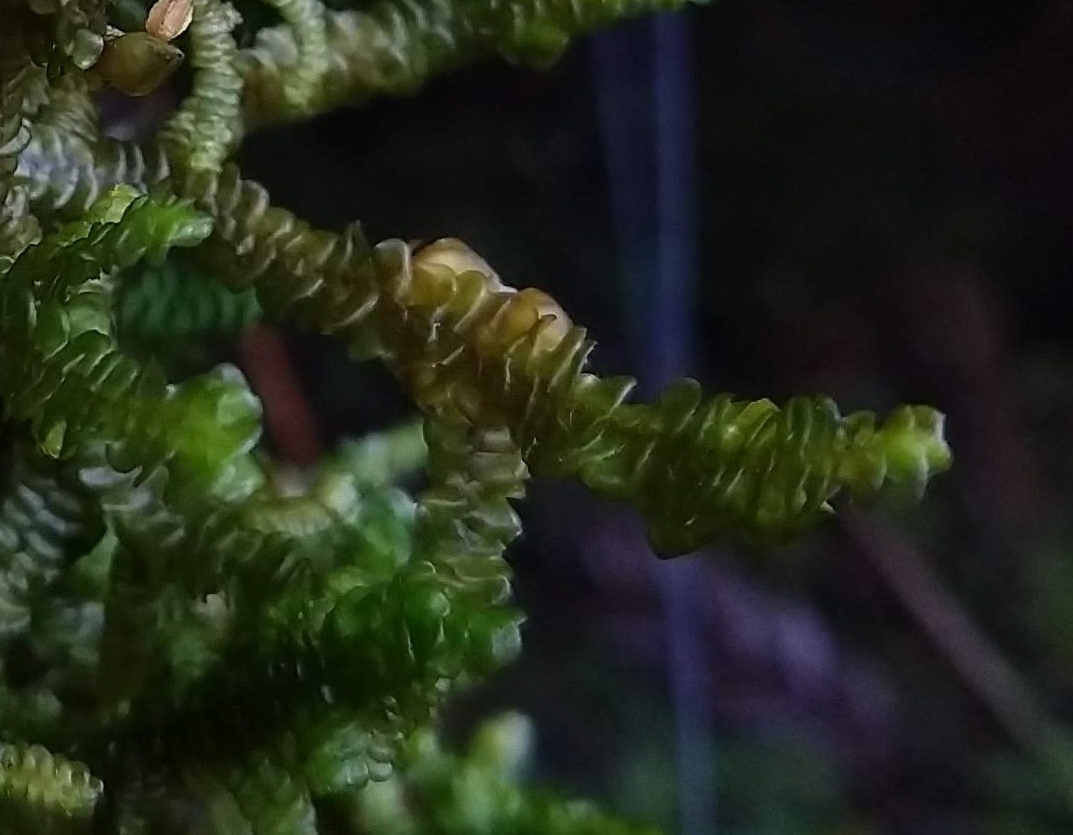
{"type": "Point", "coordinates": [883, 214]}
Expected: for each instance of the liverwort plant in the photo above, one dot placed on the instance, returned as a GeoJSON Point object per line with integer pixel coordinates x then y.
{"type": "Point", "coordinates": [187, 647]}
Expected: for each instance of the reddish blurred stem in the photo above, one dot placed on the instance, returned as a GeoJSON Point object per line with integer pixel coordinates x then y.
{"type": "Point", "coordinates": [987, 674]}
{"type": "Point", "coordinates": [288, 417]}
{"type": "Point", "coordinates": [953, 316]}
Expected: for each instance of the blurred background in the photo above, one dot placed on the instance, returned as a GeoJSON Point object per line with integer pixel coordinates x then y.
{"type": "Point", "coordinates": [880, 197]}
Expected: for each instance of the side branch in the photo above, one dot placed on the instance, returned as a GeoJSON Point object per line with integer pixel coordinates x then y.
{"type": "Point", "coordinates": [397, 45]}
{"type": "Point", "coordinates": [477, 353]}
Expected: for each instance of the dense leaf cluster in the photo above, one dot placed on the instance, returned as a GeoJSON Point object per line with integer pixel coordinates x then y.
{"type": "Point", "coordinates": [187, 645]}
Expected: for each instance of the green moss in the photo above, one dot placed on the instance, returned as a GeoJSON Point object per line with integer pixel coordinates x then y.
{"type": "Point", "coordinates": [230, 656]}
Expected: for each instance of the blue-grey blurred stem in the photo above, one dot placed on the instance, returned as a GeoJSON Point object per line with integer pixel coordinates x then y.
{"type": "Point", "coordinates": [645, 95]}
